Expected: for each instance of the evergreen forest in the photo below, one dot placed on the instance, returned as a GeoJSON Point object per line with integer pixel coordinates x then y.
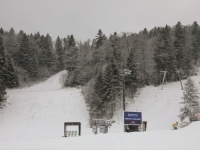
{"type": "Point", "coordinates": [103, 66]}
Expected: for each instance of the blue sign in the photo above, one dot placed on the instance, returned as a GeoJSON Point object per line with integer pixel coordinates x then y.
{"type": "Point", "coordinates": [132, 118]}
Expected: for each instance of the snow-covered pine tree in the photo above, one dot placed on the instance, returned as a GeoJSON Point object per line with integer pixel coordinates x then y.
{"type": "Point", "coordinates": [59, 52]}
{"type": "Point", "coordinates": [190, 98]}
{"type": "Point", "coordinates": [165, 56]}
{"type": "Point", "coordinates": [111, 86]}
{"type": "Point", "coordinates": [132, 79]}
{"type": "Point", "coordinates": [99, 39]}
{"type": "Point", "coordinates": [179, 44]}
{"type": "Point", "coordinates": [1, 31]}
{"type": "Point", "coordinates": [72, 55]}
{"type": "Point", "coordinates": [33, 69]}
{"type": "Point", "coordinates": [195, 42]}
{"type": "Point", "coordinates": [11, 78]}
{"type": "Point", "coordinates": [24, 54]}
{"type": "Point", "coordinates": [2, 69]}
{"type": "Point", "coordinates": [45, 56]}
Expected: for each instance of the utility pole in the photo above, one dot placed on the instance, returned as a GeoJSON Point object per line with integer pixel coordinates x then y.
{"type": "Point", "coordinates": [124, 92]}
{"type": "Point", "coordinates": [124, 72]}
{"type": "Point", "coordinates": [180, 78]}
{"type": "Point", "coordinates": [165, 72]}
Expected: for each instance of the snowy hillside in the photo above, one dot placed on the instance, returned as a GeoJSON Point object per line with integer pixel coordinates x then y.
{"type": "Point", "coordinates": [159, 108]}
{"type": "Point", "coordinates": [41, 110]}
{"type": "Point", "coordinates": [34, 118]}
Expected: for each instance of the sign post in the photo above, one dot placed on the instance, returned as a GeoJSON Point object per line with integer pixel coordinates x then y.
{"type": "Point", "coordinates": [132, 119]}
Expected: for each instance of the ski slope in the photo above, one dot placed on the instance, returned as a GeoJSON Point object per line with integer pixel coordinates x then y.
{"type": "Point", "coordinates": [34, 117]}
{"type": "Point", "coordinates": [40, 111]}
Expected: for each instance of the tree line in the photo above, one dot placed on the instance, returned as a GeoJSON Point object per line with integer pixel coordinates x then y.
{"type": "Point", "coordinates": [98, 65]}
{"type": "Point", "coordinates": [26, 59]}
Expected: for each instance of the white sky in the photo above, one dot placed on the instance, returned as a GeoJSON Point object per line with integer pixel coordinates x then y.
{"type": "Point", "coordinates": [83, 18]}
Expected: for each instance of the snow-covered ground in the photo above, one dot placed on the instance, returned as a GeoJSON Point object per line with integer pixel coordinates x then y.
{"type": "Point", "coordinates": [34, 119]}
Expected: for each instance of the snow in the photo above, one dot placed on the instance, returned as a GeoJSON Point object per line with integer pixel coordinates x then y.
{"type": "Point", "coordinates": [34, 119]}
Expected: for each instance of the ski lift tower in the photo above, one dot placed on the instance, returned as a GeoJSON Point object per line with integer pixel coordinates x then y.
{"type": "Point", "coordinates": [178, 71]}
{"type": "Point", "coordinates": [165, 72]}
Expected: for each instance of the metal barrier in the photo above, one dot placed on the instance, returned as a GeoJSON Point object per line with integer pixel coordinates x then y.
{"type": "Point", "coordinates": [71, 134]}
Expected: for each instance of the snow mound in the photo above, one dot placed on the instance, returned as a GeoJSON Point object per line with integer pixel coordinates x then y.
{"type": "Point", "coordinates": [193, 127]}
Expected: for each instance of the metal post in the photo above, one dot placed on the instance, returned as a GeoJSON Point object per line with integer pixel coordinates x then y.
{"type": "Point", "coordinates": [180, 79]}
{"type": "Point", "coordinates": [79, 129]}
{"type": "Point", "coordinates": [124, 72]}
{"type": "Point", "coordinates": [64, 130]}
{"type": "Point", "coordinates": [124, 92]}
{"type": "Point", "coordinates": [163, 78]}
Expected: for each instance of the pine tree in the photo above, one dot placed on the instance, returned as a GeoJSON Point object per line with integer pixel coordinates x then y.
{"type": "Point", "coordinates": [11, 45]}
{"type": "Point", "coordinates": [108, 82]}
{"type": "Point", "coordinates": [195, 27]}
{"type": "Point", "coordinates": [84, 51]}
{"type": "Point", "coordinates": [37, 38]}
{"type": "Point", "coordinates": [153, 32]}
{"type": "Point", "coordinates": [49, 49]}
{"type": "Point", "coordinates": [72, 55]}
{"type": "Point", "coordinates": [158, 57]}
{"type": "Point", "coordinates": [195, 43]}
{"type": "Point", "coordinates": [19, 36]}
{"type": "Point", "coordinates": [41, 42]}
{"type": "Point", "coordinates": [66, 44]}
{"type": "Point", "coordinates": [111, 85]}
{"type": "Point", "coordinates": [43, 56]}
{"type": "Point", "coordinates": [12, 31]}
{"type": "Point", "coordinates": [114, 46]}
{"type": "Point", "coordinates": [99, 39]}
{"type": "Point", "coordinates": [171, 62]}
{"type": "Point", "coordinates": [198, 41]}
{"type": "Point", "coordinates": [34, 68]}
{"type": "Point", "coordinates": [1, 31]}
{"type": "Point", "coordinates": [179, 45]}
{"type": "Point", "coordinates": [2, 70]}
{"type": "Point", "coordinates": [98, 101]}
{"type": "Point", "coordinates": [60, 54]}
{"type": "Point", "coordinates": [143, 54]}
{"type": "Point", "coordinates": [165, 56]}
{"type": "Point", "coordinates": [132, 78]}
{"type": "Point", "coordinates": [195, 51]}
{"type": "Point", "coordinates": [46, 54]}
{"type": "Point", "coordinates": [145, 32]}
{"type": "Point", "coordinates": [11, 78]}
{"type": "Point", "coordinates": [24, 53]}
{"type": "Point", "coordinates": [190, 98]}
{"type": "Point", "coordinates": [72, 42]}
{"type": "Point", "coordinates": [34, 61]}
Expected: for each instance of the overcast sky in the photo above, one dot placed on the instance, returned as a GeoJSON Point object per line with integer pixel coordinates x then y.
{"type": "Point", "coordinates": [83, 18]}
